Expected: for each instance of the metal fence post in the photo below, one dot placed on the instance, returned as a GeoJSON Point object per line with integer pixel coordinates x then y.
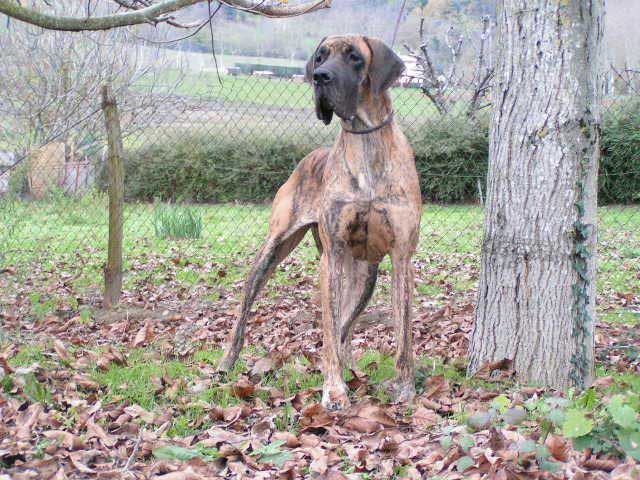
{"type": "Point", "coordinates": [113, 270]}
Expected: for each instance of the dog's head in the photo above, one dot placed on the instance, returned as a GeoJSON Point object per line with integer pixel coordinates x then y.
{"type": "Point", "coordinates": [346, 69]}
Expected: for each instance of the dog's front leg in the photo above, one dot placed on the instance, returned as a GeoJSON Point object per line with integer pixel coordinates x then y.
{"type": "Point", "coordinates": [334, 390]}
{"type": "Point", "coordinates": [402, 297]}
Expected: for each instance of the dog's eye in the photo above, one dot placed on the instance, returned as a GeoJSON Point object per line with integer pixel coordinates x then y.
{"type": "Point", "coordinates": [355, 58]}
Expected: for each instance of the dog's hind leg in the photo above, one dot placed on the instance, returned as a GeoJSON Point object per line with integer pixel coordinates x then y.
{"type": "Point", "coordinates": [360, 276]}
{"type": "Point", "coordinates": [293, 212]}
{"type": "Point", "coordinates": [274, 251]}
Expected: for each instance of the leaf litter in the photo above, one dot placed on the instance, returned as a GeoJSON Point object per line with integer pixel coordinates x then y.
{"type": "Point", "coordinates": [65, 413]}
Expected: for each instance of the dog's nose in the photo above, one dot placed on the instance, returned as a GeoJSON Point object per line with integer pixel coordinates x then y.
{"type": "Point", "coordinates": [322, 76]}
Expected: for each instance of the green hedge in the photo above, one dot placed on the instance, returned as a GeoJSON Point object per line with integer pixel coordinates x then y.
{"type": "Point", "coordinates": [450, 156]}
{"type": "Point", "coordinates": [204, 169]}
{"type": "Point", "coordinates": [619, 175]}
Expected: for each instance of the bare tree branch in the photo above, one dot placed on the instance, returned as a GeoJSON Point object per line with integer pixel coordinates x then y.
{"type": "Point", "coordinates": [438, 85]}
{"type": "Point", "coordinates": [150, 14]}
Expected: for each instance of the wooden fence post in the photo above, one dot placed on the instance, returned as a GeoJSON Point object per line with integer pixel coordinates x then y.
{"type": "Point", "coordinates": [113, 270]}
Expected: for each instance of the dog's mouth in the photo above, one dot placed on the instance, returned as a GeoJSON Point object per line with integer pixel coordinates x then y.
{"type": "Point", "coordinates": [324, 108]}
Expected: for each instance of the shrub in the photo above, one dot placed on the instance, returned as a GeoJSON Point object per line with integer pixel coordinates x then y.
{"type": "Point", "coordinates": [176, 221]}
{"type": "Point", "coordinates": [451, 159]}
{"type": "Point", "coordinates": [205, 169]}
{"type": "Point", "coordinates": [619, 176]}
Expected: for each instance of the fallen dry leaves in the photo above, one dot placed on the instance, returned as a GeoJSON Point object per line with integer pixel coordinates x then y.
{"type": "Point", "coordinates": [78, 432]}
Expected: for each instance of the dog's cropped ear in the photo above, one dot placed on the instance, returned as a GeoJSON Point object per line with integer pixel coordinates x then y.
{"type": "Point", "coordinates": [308, 71]}
{"type": "Point", "coordinates": [385, 66]}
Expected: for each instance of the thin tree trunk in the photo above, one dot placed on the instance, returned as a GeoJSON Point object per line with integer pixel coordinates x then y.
{"type": "Point", "coordinates": [113, 270]}
{"type": "Point", "coordinates": [536, 298]}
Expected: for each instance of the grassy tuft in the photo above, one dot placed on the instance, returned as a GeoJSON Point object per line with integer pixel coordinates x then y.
{"type": "Point", "coordinates": [176, 221]}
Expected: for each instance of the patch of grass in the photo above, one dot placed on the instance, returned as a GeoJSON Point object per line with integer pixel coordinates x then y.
{"type": "Point", "coordinates": [293, 377]}
{"type": "Point", "coordinates": [287, 420]}
{"type": "Point", "coordinates": [28, 355]}
{"type": "Point", "coordinates": [176, 221]}
{"type": "Point", "coordinates": [41, 307]}
{"type": "Point", "coordinates": [191, 422]}
{"type": "Point", "coordinates": [464, 284]}
{"type": "Point", "coordinates": [378, 366]}
{"type": "Point", "coordinates": [428, 289]}
{"type": "Point", "coordinates": [140, 379]}
{"type": "Point", "coordinates": [621, 316]}
{"type": "Point", "coordinates": [188, 276]}
{"type": "Point", "coordinates": [220, 396]}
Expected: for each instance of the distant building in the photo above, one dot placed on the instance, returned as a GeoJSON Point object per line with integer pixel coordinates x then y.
{"type": "Point", "coordinates": [412, 74]}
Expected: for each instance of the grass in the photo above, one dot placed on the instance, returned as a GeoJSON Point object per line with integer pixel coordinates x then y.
{"type": "Point", "coordinates": [175, 222]}
{"type": "Point", "coordinates": [70, 234]}
{"type": "Point", "coordinates": [138, 381]}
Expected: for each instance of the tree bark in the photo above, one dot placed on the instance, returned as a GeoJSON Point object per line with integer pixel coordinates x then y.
{"type": "Point", "coordinates": [536, 298]}
{"type": "Point", "coordinates": [151, 14]}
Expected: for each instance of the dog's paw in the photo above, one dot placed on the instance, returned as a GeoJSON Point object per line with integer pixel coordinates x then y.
{"type": "Point", "coordinates": [404, 391]}
{"type": "Point", "coordinates": [335, 397]}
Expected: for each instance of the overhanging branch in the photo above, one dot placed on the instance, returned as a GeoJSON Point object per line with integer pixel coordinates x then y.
{"type": "Point", "coordinates": [149, 14]}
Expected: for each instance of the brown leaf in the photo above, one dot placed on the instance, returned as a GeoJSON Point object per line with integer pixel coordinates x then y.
{"type": "Point", "coordinates": [78, 458]}
{"type": "Point", "coordinates": [558, 447]}
{"type": "Point", "coordinates": [335, 474]}
{"type": "Point", "coordinates": [144, 334]}
{"type": "Point", "coordinates": [320, 460]}
{"type": "Point", "coordinates": [187, 474]}
{"type": "Point", "coordinates": [497, 370]}
{"type": "Point", "coordinates": [96, 431]}
{"type": "Point", "coordinates": [377, 414]}
{"type": "Point", "coordinates": [435, 385]}
{"type": "Point", "coordinates": [315, 416]}
{"type": "Point", "coordinates": [291, 441]}
{"type": "Point", "coordinates": [27, 421]}
{"type": "Point", "coordinates": [243, 388]}
{"type": "Point", "coordinates": [61, 350]}
{"type": "Point", "coordinates": [66, 439]}
{"type": "Point", "coordinates": [262, 366]}
{"type": "Point", "coordinates": [4, 364]}
{"type": "Point", "coordinates": [362, 425]}
{"type": "Point", "coordinates": [600, 464]}
{"type": "Point", "coordinates": [496, 439]}
{"type": "Point", "coordinates": [424, 417]}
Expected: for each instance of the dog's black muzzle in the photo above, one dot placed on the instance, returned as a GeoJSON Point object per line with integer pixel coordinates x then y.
{"type": "Point", "coordinates": [334, 91]}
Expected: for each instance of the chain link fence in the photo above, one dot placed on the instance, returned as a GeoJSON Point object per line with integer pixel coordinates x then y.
{"type": "Point", "coordinates": [203, 159]}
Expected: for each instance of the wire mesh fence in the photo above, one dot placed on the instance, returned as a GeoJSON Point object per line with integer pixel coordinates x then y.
{"type": "Point", "coordinates": [203, 159]}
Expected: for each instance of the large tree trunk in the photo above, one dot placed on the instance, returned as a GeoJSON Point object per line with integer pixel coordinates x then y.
{"type": "Point", "coordinates": [536, 298]}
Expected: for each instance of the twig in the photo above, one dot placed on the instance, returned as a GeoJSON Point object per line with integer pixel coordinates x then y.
{"type": "Point", "coordinates": [136, 447]}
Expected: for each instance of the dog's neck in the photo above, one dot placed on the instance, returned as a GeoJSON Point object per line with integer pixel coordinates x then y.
{"type": "Point", "coordinates": [371, 112]}
{"type": "Point", "coordinates": [368, 156]}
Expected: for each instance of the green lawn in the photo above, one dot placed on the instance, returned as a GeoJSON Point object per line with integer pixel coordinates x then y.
{"type": "Point", "coordinates": [63, 230]}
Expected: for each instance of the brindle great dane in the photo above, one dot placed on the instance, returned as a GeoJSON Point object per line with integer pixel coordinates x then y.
{"type": "Point", "coordinates": [360, 198]}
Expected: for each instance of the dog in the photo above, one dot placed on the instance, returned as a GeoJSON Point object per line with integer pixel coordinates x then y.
{"type": "Point", "coordinates": [360, 199]}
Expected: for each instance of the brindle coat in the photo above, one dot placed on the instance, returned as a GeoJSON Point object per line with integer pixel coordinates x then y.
{"type": "Point", "coordinates": [361, 199]}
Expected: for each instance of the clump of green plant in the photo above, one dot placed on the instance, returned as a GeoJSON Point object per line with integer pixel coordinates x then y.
{"type": "Point", "coordinates": [602, 424]}
{"type": "Point", "coordinates": [176, 221]}
{"type": "Point", "coordinates": [614, 426]}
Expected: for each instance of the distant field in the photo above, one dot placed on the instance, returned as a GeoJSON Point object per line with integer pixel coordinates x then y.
{"type": "Point", "coordinates": [277, 92]}
{"type": "Point", "coordinates": [197, 61]}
